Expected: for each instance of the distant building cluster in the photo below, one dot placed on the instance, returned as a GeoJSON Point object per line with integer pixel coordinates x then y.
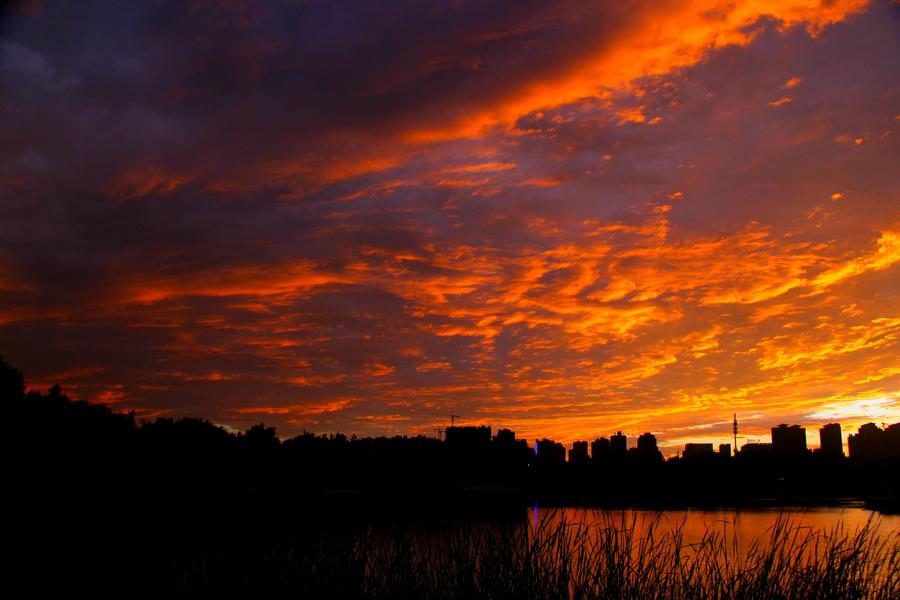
{"type": "Point", "coordinates": [871, 442]}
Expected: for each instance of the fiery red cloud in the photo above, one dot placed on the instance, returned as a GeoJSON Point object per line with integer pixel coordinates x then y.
{"type": "Point", "coordinates": [567, 218]}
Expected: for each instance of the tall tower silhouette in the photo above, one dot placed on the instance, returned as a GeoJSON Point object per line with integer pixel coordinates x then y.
{"type": "Point", "coordinates": [734, 431]}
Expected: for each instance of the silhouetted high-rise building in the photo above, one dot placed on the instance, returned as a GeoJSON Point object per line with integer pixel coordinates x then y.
{"type": "Point", "coordinates": [756, 450]}
{"type": "Point", "coordinates": [892, 441]}
{"type": "Point", "coordinates": [647, 450]}
{"type": "Point", "coordinates": [830, 441]}
{"type": "Point", "coordinates": [618, 445]}
{"type": "Point", "coordinates": [505, 437]}
{"type": "Point", "coordinates": [725, 450]}
{"type": "Point", "coordinates": [789, 440]}
{"type": "Point", "coordinates": [508, 456]}
{"type": "Point", "coordinates": [579, 453]}
{"type": "Point", "coordinates": [600, 450]}
{"type": "Point", "coordinates": [647, 442]}
{"type": "Point", "coordinates": [470, 448]}
{"type": "Point", "coordinates": [694, 450]}
{"type": "Point", "coordinates": [547, 452]}
{"type": "Point", "coordinates": [468, 436]}
{"type": "Point", "coordinates": [868, 443]}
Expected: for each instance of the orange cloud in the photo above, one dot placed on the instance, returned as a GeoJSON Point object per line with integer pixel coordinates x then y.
{"type": "Point", "coordinates": [659, 41]}
{"type": "Point", "coordinates": [886, 255]}
{"type": "Point", "coordinates": [314, 408]}
{"type": "Point", "coordinates": [378, 369]}
{"type": "Point", "coordinates": [631, 115]}
{"type": "Point", "coordinates": [147, 180]}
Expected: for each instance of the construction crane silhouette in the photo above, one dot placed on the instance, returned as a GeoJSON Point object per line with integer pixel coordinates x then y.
{"type": "Point", "coordinates": [453, 417]}
{"type": "Point", "coordinates": [441, 431]}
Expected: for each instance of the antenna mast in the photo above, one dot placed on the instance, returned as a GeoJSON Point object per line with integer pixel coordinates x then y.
{"type": "Point", "coordinates": [734, 430]}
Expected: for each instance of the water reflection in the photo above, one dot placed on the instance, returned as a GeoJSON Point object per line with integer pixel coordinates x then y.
{"type": "Point", "coordinates": [741, 528]}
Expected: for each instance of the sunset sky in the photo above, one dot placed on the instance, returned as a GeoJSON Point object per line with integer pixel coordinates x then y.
{"type": "Point", "coordinates": [566, 218]}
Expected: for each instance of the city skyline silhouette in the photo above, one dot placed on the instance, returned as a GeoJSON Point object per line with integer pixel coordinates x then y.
{"type": "Point", "coordinates": [613, 471]}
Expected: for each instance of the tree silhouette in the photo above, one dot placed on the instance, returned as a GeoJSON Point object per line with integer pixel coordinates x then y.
{"type": "Point", "coordinates": [12, 383]}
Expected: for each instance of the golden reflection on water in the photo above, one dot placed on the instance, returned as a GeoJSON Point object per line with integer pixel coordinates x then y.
{"type": "Point", "coordinates": [742, 525]}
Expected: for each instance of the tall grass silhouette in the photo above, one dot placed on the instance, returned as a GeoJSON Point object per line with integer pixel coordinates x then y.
{"type": "Point", "coordinates": [604, 556]}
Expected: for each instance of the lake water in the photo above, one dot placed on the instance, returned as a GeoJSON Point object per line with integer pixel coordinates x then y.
{"type": "Point", "coordinates": [741, 527]}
